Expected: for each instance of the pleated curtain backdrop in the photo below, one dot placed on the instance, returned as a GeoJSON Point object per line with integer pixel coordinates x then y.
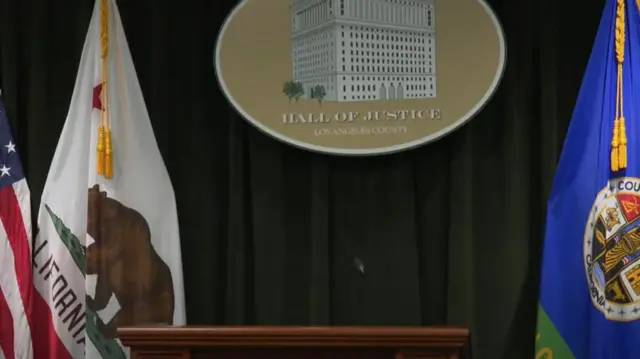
{"type": "Point", "coordinates": [449, 233]}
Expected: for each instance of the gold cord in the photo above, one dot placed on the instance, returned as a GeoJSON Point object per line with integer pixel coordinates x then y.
{"type": "Point", "coordinates": [104, 150]}
{"type": "Point", "coordinates": [619, 138]}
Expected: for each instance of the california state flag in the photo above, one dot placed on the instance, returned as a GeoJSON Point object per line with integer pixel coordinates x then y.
{"type": "Point", "coordinates": [107, 253]}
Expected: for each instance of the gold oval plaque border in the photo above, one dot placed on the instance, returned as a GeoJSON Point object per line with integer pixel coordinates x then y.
{"type": "Point", "coordinates": [502, 58]}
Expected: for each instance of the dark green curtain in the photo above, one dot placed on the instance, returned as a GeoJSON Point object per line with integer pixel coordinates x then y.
{"type": "Point", "coordinates": [449, 233]}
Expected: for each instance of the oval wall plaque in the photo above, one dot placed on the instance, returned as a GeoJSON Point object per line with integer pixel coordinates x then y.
{"type": "Point", "coordinates": [359, 77]}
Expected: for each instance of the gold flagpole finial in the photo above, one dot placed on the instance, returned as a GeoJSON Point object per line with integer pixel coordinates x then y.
{"type": "Point", "coordinates": [619, 138]}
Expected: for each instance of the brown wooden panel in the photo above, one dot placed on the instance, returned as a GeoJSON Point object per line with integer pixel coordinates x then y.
{"type": "Point", "coordinates": [293, 353]}
{"type": "Point", "coordinates": [160, 354]}
{"type": "Point", "coordinates": [428, 354]}
{"type": "Point", "coordinates": [296, 342]}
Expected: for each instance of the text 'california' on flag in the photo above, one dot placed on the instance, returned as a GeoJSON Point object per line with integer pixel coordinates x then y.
{"type": "Point", "coordinates": [589, 304]}
{"type": "Point", "coordinates": [107, 253]}
{"type": "Point", "coordinates": [16, 287]}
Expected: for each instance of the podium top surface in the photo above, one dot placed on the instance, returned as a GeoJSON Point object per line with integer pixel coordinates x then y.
{"type": "Point", "coordinates": [285, 336]}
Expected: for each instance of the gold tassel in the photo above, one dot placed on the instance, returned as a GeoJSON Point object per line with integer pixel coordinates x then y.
{"type": "Point", "coordinates": [619, 137]}
{"type": "Point", "coordinates": [105, 149]}
{"type": "Point", "coordinates": [100, 150]}
{"type": "Point", "coordinates": [615, 162]}
{"type": "Point", "coordinates": [622, 149]}
{"type": "Point", "coordinates": [108, 158]}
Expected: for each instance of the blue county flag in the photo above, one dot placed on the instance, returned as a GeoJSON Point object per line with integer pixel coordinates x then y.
{"type": "Point", "coordinates": [589, 304]}
{"type": "Point", "coordinates": [107, 253]}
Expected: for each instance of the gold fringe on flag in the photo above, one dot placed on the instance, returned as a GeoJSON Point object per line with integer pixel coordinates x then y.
{"type": "Point", "coordinates": [104, 154]}
{"type": "Point", "coordinates": [619, 138]}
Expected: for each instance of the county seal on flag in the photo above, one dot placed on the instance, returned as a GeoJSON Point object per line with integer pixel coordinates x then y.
{"type": "Point", "coordinates": [612, 250]}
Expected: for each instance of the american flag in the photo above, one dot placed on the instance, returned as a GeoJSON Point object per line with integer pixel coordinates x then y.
{"type": "Point", "coordinates": [16, 287]}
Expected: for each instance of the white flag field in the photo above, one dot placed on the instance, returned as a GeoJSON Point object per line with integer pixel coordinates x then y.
{"type": "Point", "coordinates": [107, 253]}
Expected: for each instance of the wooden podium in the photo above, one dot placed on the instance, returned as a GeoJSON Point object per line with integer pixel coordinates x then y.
{"type": "Point", "coordinates": [296, 342]}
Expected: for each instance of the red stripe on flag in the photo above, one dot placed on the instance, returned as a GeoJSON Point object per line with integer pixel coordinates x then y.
{"type": "Point", "coordinates": [6, 329]}
{"type": "Point", "coordinates": [46, 343]}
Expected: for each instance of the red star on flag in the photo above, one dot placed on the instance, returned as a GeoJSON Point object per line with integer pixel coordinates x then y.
{"type": "Point", "coordinates": [97, 97]}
